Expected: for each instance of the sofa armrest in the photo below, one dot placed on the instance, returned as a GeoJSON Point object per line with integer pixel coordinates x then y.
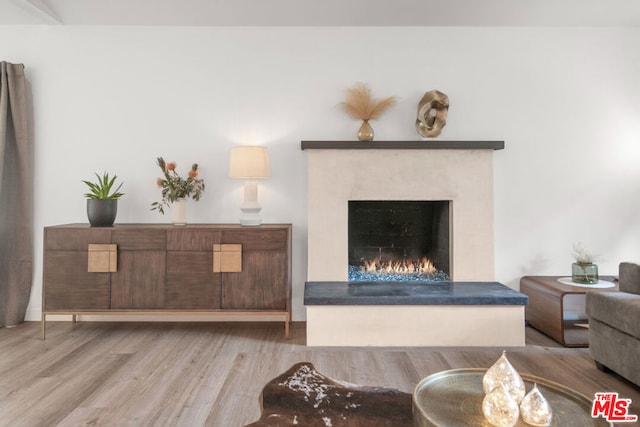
{"type": "Point", "coordinates": [629, 277]}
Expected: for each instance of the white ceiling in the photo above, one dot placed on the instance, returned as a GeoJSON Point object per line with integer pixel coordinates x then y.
{"type": "Point", "coordinates": [322, 12]}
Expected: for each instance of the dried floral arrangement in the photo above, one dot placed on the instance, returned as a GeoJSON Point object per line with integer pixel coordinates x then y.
{"type": "Point", "coordinates": [175, 187]}
{"type": "Point", "coordinates": [359, 104]}
{"type": "Point", "coordinates": [582, 255]}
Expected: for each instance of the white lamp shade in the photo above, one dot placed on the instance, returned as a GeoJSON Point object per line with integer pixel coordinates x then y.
{"type": "Point", "coordinates": [249, 162]}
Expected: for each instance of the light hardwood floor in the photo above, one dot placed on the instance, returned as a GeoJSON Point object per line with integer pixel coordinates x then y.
{"type": "Point", "coordinates": [211, 374]}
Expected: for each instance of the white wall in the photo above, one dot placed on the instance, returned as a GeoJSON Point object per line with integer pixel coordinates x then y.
{"type": "Point", "coordinates": [566, 102]}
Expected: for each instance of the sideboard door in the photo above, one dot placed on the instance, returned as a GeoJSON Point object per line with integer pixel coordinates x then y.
{"type": "Point", "coordinates": [191, 282]}
{"type": "Point", "coordinates": [69, 285]}
{"type": "Point", "coordinates": [139, 282]}
{"type": "Point", "coordinates": [263, 282]}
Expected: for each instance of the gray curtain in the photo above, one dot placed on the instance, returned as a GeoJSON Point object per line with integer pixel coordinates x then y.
{"type": "Point", "coordinates": [16, 196]}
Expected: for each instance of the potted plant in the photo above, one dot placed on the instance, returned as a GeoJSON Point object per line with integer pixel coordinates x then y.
{"type": "Point", "coordinates": [102, 200]}
{"type": "Point", "coordinates": [175, 190]}
{"type": "Point", "coordinates": [583, 270]}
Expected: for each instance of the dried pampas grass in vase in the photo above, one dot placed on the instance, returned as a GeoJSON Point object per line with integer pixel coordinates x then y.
{"type": "Point", "coordinates": [360, 105]}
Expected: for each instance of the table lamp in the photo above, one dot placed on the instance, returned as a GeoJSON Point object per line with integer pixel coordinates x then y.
{"type": "Point", "coordinates": [249, 163]}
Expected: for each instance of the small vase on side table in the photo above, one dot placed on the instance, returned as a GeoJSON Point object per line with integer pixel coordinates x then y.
{"type": "Point", "coordinates": [586, 273]}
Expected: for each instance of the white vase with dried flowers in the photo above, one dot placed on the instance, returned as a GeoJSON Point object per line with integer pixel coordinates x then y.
{"type": "Point", "coordinates": [176, 190]}
{"type": "Point", "coordinates": [360, 105]}
{"type": "Point", "coordinates": [179, 212]}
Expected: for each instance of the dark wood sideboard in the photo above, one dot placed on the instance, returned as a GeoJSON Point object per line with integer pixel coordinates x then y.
{"type": "Point", "coordinates": [163, 269]}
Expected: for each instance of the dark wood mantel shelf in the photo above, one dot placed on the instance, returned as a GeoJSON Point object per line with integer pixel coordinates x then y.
{"type": "Point", "coordinates": [402, 145]}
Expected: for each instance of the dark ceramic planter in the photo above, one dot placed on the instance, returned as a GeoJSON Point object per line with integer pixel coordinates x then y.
{"type": "Point", "coordinates": [102, 212]}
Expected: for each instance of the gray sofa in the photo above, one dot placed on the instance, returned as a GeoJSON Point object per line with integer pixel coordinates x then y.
{"type": "Point", "coordinates": [614, 325]}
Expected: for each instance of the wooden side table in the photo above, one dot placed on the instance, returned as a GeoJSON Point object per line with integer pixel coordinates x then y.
{"type": "Point", "coordinates": [546, 309]}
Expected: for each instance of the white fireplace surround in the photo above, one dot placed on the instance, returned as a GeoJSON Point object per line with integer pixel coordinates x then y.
{"type": "Point", "coordinates": [461, 173]}
{"type": "Point", "coordinates": [462, 176]}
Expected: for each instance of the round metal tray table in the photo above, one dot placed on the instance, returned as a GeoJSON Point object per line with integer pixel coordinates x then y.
{"type": "Point", "coordinates": [454, 398]}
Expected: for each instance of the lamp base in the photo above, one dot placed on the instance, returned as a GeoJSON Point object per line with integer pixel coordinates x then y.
{"type": "Point", "coordinates": [250, 222]}
{"type": "Point", "coordinates": [250, 207]}
{"type": "Point", "coordinates": [250, 215]}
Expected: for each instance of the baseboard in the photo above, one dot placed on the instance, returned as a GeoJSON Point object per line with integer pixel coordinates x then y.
{"type": "Point", "coordinates": [33, 315]}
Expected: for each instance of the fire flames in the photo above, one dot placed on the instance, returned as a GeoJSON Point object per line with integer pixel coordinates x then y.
{"type": "Point", "coordinates": [423, 266]}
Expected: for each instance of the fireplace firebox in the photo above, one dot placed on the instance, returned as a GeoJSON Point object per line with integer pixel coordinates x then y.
{"type": "Point", "coordinates": [399, 240]}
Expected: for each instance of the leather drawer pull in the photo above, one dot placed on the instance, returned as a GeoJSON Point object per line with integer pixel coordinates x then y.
{"type": "Point", "coordinates": [227, 258]}
{"type": "Point", "coordinates": [102, 258]}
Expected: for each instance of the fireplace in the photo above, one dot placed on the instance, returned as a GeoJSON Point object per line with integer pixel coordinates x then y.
{"type": "Point", "coordinates": [448, 185]}
{"type": "Point", "coordinates": [460, 177]}
{"type": "Point", "coordinates": [399, 240]}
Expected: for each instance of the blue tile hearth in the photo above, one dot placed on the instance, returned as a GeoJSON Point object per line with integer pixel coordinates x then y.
{"type": "Point", "coordinates": [411, 293]}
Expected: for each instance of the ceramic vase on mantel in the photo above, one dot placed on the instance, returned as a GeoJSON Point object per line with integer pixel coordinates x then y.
{"type": "Point", "coordinates": [365, 133]}
{"type": "Point", "coordinates": [179, 212]}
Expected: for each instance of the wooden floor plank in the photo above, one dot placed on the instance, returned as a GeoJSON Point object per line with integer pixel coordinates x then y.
{"type": "Point", "coordinates": [211, 374]}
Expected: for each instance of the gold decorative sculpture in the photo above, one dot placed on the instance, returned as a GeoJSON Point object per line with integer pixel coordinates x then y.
{"type": "Point", "coordinates": [360, 105]}
{"type": "Point", "coordinates": [432, 114]}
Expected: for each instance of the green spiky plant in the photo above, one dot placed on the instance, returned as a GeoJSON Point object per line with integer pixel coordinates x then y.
{"type": "Point", "coordinates": [101, 189]}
